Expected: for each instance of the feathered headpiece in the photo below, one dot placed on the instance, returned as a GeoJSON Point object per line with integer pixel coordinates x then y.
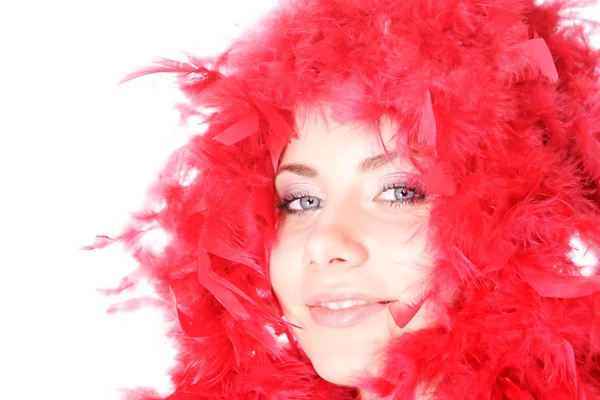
{"type": "Point", "coordinates": [500, 97]}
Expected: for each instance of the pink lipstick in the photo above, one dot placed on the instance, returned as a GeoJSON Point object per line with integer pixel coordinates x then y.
{"type": "Point", "coordinates": [342, 310]}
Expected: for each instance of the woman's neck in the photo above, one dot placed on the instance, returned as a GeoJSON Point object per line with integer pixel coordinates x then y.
{"type": "Point", "coordinates": [364, 395]}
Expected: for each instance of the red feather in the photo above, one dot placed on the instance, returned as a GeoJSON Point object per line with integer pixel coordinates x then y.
{"type": "Point", "coordinates": [238, 131]}
{"type": "Point", "coordinates": [439, 182]}
{"type": "Point", "coordinates": [100, 242]}
{"type": "Point", "coordinates": [427, 131]}
{"type": "Point", "coordinates": [501, 18]}
{"type": "Point", "coordinates": [538, 53]}
{"type": "Point", "coordinates": [135, 304]}
{"type": "Point", "coordinates": [566, 287]}
{"type": "Point", "coordinates": [282, 132]}
{"type": "Point", "coordinates": [220, 288]}
{"type": "Point", "coordinates": [163, 65]}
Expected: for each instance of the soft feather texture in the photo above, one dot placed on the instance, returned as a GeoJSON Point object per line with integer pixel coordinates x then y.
{"type": "Point", "coordinates": [502, 104]}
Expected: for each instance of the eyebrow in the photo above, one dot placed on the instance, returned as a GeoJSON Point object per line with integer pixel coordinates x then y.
{"type": "Point", "coordinates": [298, 169]}
{"type": "Point", "coordinates": [372, 163]}
{"type": "Point", "coordinates": [366, 165]}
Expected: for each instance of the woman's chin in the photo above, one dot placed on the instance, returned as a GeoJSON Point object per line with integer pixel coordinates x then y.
{"type": "Point", "coordinates": [344, 369]}
{"type": "Point", "coordinates": [338, 373]}
{"type": "Point", "coordinates": [343, 356]}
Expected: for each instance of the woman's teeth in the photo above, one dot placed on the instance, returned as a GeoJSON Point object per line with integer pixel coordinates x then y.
{"type": "Point", "coordinates": [340, 305]}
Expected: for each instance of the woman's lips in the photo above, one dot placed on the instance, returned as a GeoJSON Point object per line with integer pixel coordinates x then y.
{"type": "Point", "coordinates": [341, 296]}
{"type": "Point", "coordinates": [345, 317]}
{"type": "Point", "coordinates": [343, 308]}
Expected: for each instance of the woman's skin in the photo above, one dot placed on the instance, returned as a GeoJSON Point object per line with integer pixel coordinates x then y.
{"type": "Point", "coordinates": [350, 223]}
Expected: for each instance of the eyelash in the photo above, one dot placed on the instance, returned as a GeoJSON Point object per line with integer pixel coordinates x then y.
{"type": "Point", "coordinates": [284, 203]}
{"type": "Point", "coordinates": [419, 195]}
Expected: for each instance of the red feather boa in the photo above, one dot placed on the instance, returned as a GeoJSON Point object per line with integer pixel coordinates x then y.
{"type": "Point", "coordinates": [504, 100]}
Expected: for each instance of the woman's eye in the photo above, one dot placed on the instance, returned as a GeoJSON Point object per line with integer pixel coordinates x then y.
{"type": "Point", "coordinates": [397, 194]}
{"type": "Point", "coordinates": [304, 203]}
{"type": "Point", "coordinates": [299, 204]}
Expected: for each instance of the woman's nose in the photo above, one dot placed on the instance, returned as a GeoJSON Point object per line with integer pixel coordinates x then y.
{"type": "Point", "coordinates": [334, 242]}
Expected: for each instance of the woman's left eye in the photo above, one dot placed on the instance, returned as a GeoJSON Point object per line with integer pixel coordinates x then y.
{"type": "Point", "coordinates": [399, 194]}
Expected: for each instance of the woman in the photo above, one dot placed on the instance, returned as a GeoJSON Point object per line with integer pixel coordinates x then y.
{"type": "Point", "coordinates": [386, 201]}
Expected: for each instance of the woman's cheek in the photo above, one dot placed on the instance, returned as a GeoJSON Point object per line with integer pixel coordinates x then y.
{"type": "Point", "coordinates": [286, 273]}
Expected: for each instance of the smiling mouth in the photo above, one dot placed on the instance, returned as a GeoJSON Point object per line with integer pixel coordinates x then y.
{"type": "Point", "coordinates": [346, 304]}
{"type": "Point", "coordinates": [345, 313]}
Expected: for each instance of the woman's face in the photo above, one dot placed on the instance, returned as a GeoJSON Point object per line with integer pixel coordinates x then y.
{"type": "Point", "coordinates": [351, 238]}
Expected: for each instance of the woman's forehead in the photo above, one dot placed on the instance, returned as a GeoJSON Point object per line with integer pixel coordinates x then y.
{"type": "Point", "coordinates": [317, 128]}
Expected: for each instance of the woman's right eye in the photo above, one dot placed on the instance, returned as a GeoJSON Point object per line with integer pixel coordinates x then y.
{"type": "Point", "coordinates": [304, 203]}
{"type": "Point", "coordinates": [300, 204]}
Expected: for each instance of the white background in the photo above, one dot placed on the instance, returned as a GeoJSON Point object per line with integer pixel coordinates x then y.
{"type": "Point", "coordinates": [77, 152]}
